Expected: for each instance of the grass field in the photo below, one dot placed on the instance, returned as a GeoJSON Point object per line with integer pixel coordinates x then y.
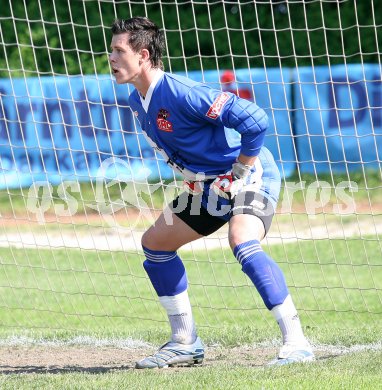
{"type": "Point", "coordinates": [352, 371]}
{"type": "Point", "coordinates": [60, 294]}
{"type": "Point", "coordinates": [79, 318]}
{"type": "Point", "coordinates": [336, 285]}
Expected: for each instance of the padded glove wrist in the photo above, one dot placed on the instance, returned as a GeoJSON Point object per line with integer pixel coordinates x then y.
{"type": "Point", "coordinates": [240, 170]}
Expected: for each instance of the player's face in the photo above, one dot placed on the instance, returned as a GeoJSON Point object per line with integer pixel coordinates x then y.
{"type": "Point", "coordinates": [125, 63]}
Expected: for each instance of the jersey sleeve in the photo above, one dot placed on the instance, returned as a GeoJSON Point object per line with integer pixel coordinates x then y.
{"type": "Point", "coordinates": [225, 108]}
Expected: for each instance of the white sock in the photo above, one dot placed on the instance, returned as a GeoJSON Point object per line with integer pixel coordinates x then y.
{"type": "Point", "coordinates": [289, 322]}
{"type": "Point", "coordinates": [179, 313]}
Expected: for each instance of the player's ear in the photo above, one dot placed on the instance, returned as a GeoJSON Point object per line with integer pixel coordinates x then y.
{"type": "Point", "coordinates": [145, 55]}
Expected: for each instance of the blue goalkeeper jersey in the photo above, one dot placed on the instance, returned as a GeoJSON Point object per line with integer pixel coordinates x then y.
{"type": "Point", "coordinates": [200, 130]}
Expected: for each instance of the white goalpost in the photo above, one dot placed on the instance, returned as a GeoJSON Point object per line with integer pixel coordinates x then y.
{"type": "Point", "coordinates": [79, 183]}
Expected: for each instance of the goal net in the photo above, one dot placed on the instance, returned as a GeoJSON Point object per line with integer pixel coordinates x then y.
{"type": "Point", "coordinates": [79, 184]}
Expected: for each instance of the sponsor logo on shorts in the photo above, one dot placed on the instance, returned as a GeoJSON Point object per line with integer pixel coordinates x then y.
{"type": "Point", "coordinates": [258, 212]}
{"type": "Point", "coordinates": [257, 204]}
{"type": "Point", "coordinates": [216, 108]}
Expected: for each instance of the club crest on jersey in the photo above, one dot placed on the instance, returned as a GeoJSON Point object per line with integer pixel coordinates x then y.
{"type": "Point", "coordinates": [162, 120]}
{"type": "Point", "coordinates": [216, 108]}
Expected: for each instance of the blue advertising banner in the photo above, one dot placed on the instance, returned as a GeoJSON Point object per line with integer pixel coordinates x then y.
{"type": "Point", "coordinates": [338, 122]}
{"type": "Point", "coordinates": [62, 128]}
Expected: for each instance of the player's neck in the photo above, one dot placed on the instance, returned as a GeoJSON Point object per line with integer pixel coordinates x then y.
{"type": "Point", "coordinates": [143, 84]}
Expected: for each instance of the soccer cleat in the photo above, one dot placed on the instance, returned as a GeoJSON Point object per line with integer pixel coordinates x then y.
{"type": "Point", "coordinates": [172, 354]}
{"type": "Point", "coordinates": [293, 353]}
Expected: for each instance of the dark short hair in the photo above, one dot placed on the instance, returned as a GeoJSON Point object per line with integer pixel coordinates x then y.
{"type": "Point", "coordinates": [142, 34]}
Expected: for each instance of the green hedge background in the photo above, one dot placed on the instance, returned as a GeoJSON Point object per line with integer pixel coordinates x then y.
{"type": "Point", "coordinates": [72, 37]}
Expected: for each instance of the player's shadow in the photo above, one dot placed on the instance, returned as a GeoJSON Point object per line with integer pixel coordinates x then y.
{"type": "Point", "coordinates": [8, 370]}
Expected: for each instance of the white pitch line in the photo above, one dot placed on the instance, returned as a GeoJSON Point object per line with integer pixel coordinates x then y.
{"type": "Point", "coordinates": [129, 343]}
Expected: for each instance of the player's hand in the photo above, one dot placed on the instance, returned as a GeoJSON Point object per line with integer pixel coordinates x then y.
{"type": "Point", "coordinates": [230, 183]}
{"type": "Point", "coordinates": [193, 187]}
{"type": "Point", "coordinates": [227, 186]}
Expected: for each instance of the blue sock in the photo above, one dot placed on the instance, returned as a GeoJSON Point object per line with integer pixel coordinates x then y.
{"type": "Point", "coordinates": [264, 273]}
{"type": "Point", "coordinates": [166, 272]}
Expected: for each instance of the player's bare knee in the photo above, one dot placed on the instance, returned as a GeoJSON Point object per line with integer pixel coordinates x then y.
{"type": "Point", "coordinates": [145, 243]}
{"type": "Point", "coordinates": [154, 239]}
{"type": "Point", "coordinates": [231, 240]}
{"type": "Point", "coordinates": [149, 241]}
{"type": "Point", "coordinates": [235, 238]}
{"type": "Point", "coordinates": [245, 228]}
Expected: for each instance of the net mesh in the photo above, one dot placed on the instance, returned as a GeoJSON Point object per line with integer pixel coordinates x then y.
{"type": "Point", "coordinates": [79, 184]}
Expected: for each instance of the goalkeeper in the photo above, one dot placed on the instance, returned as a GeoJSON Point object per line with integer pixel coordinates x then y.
{"type": "Point", "coordinates": [215, 140]}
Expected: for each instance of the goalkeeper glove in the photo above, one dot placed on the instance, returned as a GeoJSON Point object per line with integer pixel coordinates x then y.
{"type": "Point", "coordinates": [230, 183]}
{"type": "Point", "coordinates": [193, 187]}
